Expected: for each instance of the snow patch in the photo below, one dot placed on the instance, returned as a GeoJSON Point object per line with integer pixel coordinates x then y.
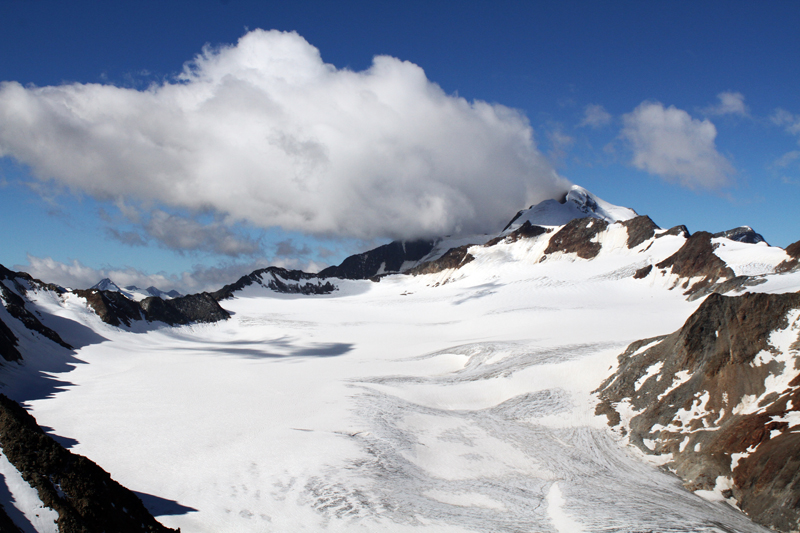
{"type": "Point", "coordinates": [652, 370]}
{"type": "Point", "coordinates": [562, 522]}
{"type": "Point", "coordinates": [26, 500]}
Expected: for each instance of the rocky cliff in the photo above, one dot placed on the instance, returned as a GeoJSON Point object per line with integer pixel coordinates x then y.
{"type": "Point", "coordinates": [720, 400]}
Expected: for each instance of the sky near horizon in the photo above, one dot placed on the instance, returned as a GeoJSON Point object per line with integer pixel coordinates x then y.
{"type": "Point", "coordinates": [183, 144]}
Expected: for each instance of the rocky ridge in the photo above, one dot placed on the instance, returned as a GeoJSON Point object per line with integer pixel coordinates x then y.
{"type": "Point", "coordinates": [720, 400]}
{"type": "Point", "coordinates": [279, 280]}
{"type": "Point", "coordinates": [85, 496]}
{"type": "Point", "coordinates": [112, 307]}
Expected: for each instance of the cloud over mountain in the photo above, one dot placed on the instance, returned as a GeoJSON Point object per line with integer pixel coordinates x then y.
{"type": "Point", "coordinates": [265, 132]}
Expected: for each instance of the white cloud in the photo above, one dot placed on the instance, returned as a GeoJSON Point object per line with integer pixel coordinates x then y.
{"type": "Point", "coordinates": [671, 144]}
{"type": "Point", "coordinates": [595, 116]}
{"type": "Point", "coordinates": [730, 103]}
{"type": "Point", "coordinates": [265, 132]}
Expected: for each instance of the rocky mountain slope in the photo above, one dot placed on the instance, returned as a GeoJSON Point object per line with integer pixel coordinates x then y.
{"type": "Point", "coordinates": [716, 400]}
{"type": "Point", "coordinates": [719, 399]}
{"type": "Point", "coordinates": [85, 497]}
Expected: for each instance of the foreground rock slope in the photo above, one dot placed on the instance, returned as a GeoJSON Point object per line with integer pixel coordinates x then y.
{"type": "Point", "coordinates": [84, 495]}
{"type": "Point", "coordinates": [720, 400]}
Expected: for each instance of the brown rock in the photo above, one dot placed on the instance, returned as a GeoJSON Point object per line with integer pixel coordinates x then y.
{"type": "Point", "coordinates": [576, 237]}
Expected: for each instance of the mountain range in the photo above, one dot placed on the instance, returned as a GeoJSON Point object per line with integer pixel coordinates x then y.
{"type": "Point", "coordinates": [582, 369]}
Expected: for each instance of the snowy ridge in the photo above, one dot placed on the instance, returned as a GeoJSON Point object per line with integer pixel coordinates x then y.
{"type": "Point", "coordinates": [578, 203]}
{"type": "Point", "coordinates": [132, 292]}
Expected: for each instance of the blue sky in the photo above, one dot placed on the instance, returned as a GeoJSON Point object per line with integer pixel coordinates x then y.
{"type": "Point", "coordinates": [686, 111]}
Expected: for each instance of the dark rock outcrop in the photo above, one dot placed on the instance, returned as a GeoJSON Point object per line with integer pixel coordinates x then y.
{"type": "Point", "coordinates": [793, 263]}
{"type": "Point", "coordinates": [112, 307]}
{"type": "Point", "coordinates": [701, 395]}
{"type": "Point", "coordinates": [576, 237]}
{"type": "Point", "coordinates": [525, 231]}
{"type": "Point", "coordinates": [519, 214]}
{"type": "Point", "coordinates": [116, 309]}
{"type": "Point", "coordinates": [452, 258]}
{"type": "Point", "coordinates": [387, 258]}
{"type": "Point", "coordinates": [8, 344]}
{"type": "Point", "coordinates": [696, 258]}
{"type": "Point", "coordinates": [84, 495]}
{"type": "Point", "coordinates": [739, 283]}
{"type": "Point", "coordinates": [643, 272]}
{"type": "Point", "coordinates": [189, 309]}
{"type": "Point", "coordinates": [678, 231]}
{"type": "Point", "coordinates": [640, 229]}
{"type": "Point", "coordinates": [279, 280]}
{"type": "Point", "coordinates": [742, 234]}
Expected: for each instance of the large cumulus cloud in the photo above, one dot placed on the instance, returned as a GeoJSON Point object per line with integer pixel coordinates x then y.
{"type": "Point", "coordinates": [264, 132]}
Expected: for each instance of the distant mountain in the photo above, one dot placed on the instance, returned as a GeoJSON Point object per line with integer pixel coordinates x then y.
{"type": "Point", "coordinates": [132, 292]}
{"type": "Point", "coordinates": [105, 284]}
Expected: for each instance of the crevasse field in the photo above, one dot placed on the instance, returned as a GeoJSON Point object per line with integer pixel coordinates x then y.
{"type": "Point", "coordinates": [452, 402]}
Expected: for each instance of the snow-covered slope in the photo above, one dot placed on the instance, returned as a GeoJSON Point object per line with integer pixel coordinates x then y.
{"type": "Point", "coordinates": [457, 397]}
{"type": "Point", "coordinates": [578, 203]}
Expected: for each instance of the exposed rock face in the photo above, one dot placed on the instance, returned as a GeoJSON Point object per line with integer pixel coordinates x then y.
{"type": "Point", "coordinates": [577, 237]}
{"type": "Point", "coordinates": [677, 231]}
{"type": "Point", "coordinates": [790, 264]}
{"type": "Point", "coordinates": [8, 344]}
{"type": "Point", "coordinates": [452, 258]}
{"type": "Point", "coordinates": [279, 280]}
{"type": "Point", "coordinates": [387, 258]}
{"type": "Point", "coordinates": [111, 306]}
{"type": "Point", "coordinates": [114, 308]}
{"type": "Point", "coordinates": [525, 231]}
{"type": "Point", "coordinates": [696, 258]}
{"type": "Point", "coordinates": [728, 382]}
{"type": "Point", "coordinates": [84, 495]}
{"type": "Point", "coordinates": [184, 310]}
{"type": "Point", "coordinates": [742, 234]}
{"type": "Point", "coordinates": [733, 284]}
{"type": "Point", "coordinates": [640, 229]}
{"type": "Point", "coordinates": [642, 272]}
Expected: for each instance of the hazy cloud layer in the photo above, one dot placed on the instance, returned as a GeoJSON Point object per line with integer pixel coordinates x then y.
{"type": "Point", "coordinates": [76, 275]}
{"type": "Point", "coordinates": [266, 132]}
{"type": "Point", "coordinates": [730, 103]}
{"type": "Point", "coordinates": [671, 144]}
{"type": "Point", "coordinates": [180, 233]}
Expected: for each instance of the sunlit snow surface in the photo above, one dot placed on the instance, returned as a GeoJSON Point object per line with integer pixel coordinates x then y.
{"type": "Point", "coordinates": [391, 406]}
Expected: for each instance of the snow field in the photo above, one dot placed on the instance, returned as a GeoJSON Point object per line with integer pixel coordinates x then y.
{"type": "Point", "coordinates": [391, 406]}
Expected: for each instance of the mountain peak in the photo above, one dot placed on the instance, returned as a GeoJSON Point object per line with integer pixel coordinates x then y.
{"type": "Point", "coordinates": [105, 284]}
{"type": "Point", "coordinates": [577, 203]}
